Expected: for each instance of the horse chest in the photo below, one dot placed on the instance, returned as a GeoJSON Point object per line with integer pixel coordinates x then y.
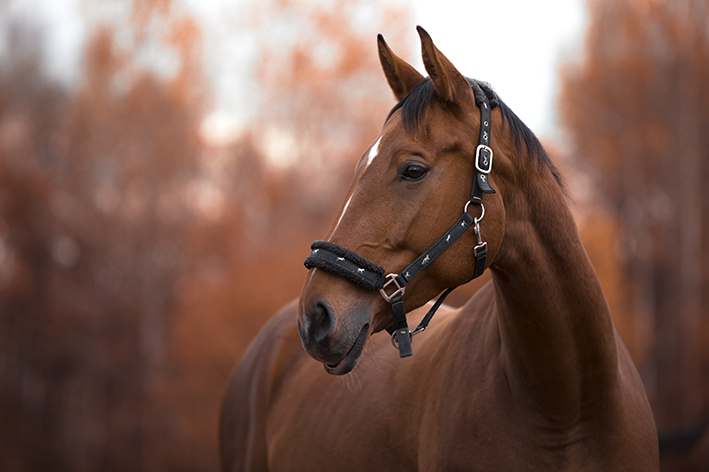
{"type": "Point", "coordinates": [441, 422]}
{"type": "Point", "coordinates": [379, 419]}
{"type": "Point", "coordinates": [488, 438]}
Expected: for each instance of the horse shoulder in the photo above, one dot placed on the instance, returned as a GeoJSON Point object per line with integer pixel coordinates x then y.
{"type": "Point", "coordinates": [482, 406]}
{"type": "Point", "coordinates": [246, 402]}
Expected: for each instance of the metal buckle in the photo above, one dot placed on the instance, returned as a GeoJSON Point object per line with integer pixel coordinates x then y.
{"type": "Point", "coordinates": [479, 247]}
{"type": "Point", "coordinates": [487, 156]}
{"type": "Point", "coordinates": [403, 332]}
{"type": "Point", "coordinates": [391, 279]}
{"type": "Point", "coordinates": [481, 244]}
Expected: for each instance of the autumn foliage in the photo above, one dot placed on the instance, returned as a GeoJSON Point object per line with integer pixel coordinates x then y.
{"type": "Point", "coordinates": [138, 258]}
{"type": "Point", "coordinates": [636, 110]}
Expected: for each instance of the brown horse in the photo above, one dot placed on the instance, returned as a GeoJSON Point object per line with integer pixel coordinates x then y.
{"type": "Point", "coordinates": [528, 375]}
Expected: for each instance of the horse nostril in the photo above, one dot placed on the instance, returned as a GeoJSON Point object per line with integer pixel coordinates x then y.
{"type": "Point", "coordinates": [322, 322]}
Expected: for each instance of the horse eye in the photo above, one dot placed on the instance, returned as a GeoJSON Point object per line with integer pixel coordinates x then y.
{"type": "Point", "coordinates": [414, 172]}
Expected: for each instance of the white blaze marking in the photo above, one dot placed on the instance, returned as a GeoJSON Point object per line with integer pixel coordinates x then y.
{"type": "Point", "coordinates": [373, 152]}
{"type": "Point", "coordinates": [343, 213]}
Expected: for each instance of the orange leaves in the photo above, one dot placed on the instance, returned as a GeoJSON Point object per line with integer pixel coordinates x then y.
{"type": "Point", "coordinates": [636, 111]}
{"type": "Point", "coordinates": [185, 37]}
{"type": "Point", "coordinates": [94, 236]}
{"type": "Point", "coordinates": [136, 261]}
{"type": "Point", "coordinates": [144, 11]}
{"type": "Point", "coordinates": [318, 74]}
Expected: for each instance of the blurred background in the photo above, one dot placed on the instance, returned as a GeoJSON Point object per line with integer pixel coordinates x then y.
{"type": "Point", "coordinates": [165, 165]}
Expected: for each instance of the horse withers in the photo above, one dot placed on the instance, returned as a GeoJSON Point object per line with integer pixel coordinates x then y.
{"type": "Point", "coordinates": [529, 374]}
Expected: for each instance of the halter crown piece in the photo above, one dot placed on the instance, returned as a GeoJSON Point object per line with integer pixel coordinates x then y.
{"type": "Point", "coordinates": [369, 275]}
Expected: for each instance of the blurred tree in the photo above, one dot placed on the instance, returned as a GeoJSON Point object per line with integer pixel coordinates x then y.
{"type": "Point", "coordinates": [93, 227]}
{"type": "Point", "coordinates": [637, 112]}
{"type": "Point", "coordinates": [322, 99]}
{"type": "Point", "coordinates": [136, 259]}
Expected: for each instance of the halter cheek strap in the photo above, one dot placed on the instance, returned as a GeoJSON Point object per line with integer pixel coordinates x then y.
{"type": "Point", "coordinates": [483, 156]}
{"type": "Point", "coordinates": [369, 275]}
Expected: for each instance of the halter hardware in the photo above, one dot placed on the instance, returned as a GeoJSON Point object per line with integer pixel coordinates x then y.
{"type": "Point", "coordinates": [369, 275]}
{"type": "Point", "coordinates": [483, 159]}
{"type": "Point", "coordinates": [482, 245]}
{"type": "Point", "coordinates": [395, 343]}
{"type": "Point", "coordinates": [392, 280]}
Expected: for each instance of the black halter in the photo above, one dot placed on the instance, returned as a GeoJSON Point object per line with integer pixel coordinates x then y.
{"type": "Point", "coordinates": [369, 275]}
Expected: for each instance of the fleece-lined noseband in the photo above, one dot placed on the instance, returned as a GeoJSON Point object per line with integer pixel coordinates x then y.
{"type": "Point", "coordinates": [369, 275]}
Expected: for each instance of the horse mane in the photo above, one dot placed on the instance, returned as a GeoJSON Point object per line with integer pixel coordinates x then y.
{"type": "Point", "coordinates": [415, 105]}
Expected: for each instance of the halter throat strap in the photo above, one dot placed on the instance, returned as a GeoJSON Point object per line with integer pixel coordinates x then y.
{"type": "Point", "coordinates": [370, 275]}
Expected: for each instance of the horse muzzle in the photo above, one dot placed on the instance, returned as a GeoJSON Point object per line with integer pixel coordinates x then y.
{"type": "Point", "coordinates": [337, 341]}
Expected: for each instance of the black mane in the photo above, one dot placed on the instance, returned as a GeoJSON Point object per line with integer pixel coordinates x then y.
{"type": "Point", "coordinates": [415, 105]}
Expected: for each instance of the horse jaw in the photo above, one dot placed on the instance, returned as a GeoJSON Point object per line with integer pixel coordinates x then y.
{"type": "Point", "coordinates": [334, 327]}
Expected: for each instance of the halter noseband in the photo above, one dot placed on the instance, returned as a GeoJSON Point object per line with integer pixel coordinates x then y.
{"type": "Point", "coordinates": [369, 275]}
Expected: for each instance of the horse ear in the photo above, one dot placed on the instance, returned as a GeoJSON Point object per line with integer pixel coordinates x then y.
{"type": "Point", "coordinates": [450, 84]}
{"type": "Point", "coordinates": [402, 76]}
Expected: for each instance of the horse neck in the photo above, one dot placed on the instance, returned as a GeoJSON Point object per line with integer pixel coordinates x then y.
{"type": "Point", "coordinates": [557, 336]}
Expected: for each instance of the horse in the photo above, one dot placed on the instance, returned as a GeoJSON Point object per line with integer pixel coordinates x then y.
{"type": "Point", "coordinates": [529, 374]}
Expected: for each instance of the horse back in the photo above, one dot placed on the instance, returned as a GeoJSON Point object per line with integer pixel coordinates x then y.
{"type": "Point", "coordinates": [242, 425]}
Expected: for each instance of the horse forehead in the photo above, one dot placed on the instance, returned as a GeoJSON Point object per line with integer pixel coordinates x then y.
{"type": "Point", "coordinates": [386, 140]}
{"type": "Point", "coordinates": [439, 127]}
{"type": "Point", "coordinates": [440, 130]}
{"type": "Point", "coordinates": [373, 151]}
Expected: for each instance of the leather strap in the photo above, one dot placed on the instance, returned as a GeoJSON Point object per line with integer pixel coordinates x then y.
{"type": "Point", "coordinates": [483, 155]}
{"type": "Point", "coordinates": [345, 263]}
{"type": "Point", "coordinates": [401, 327]}
{"type": "Point", "coordinates": [413, 269]}
{"type": "Point", "coordinates": [480, 262]}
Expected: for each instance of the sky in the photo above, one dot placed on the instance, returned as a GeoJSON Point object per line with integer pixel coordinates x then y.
{"type": "Point", "coordinates": [515, 45]}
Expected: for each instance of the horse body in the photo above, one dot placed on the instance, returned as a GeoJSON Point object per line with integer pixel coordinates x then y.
{"type": "Point", "coordinates": [528, 375]}
{"type": "Point", "coordinates": [394, 416]}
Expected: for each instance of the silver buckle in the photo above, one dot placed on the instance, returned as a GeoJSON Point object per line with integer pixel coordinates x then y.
{"type": "Point", "coordinates": [481, 244]}
{"type": "Point", "coordinates": [391, 279]}
{"type": "Point", "coordinates": [394, 342]}
{"type": "Point", "coordinates": [487, 166]}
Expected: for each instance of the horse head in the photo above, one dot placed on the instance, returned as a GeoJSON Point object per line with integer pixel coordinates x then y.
{"type": "Point", "coordinates": [410, 187]}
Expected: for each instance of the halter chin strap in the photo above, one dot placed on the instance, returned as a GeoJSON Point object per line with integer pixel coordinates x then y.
{"type": "Point", "coordinates": [370, 276]}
